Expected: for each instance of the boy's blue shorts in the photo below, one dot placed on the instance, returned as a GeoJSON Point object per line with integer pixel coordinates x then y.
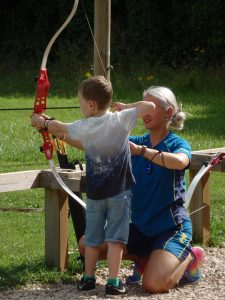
{"type": "Point", "coordinates": [177, 241]}
{"type": "Point", "coordinates": [108, 220]}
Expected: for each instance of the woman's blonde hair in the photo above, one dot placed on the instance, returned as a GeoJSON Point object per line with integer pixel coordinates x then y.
{"type": "Point", "coordinates": [167, 99]}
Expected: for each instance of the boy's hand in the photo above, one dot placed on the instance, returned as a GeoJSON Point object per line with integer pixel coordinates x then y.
{"type": "Point", "coordinates": [46, 117]}
{"type": "Point", "coordinates": [118, 106]}
{"type": "Point", "coordinates": [37, 121]}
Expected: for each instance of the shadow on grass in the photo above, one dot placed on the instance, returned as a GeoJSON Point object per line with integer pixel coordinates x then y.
{"type": "Point", "coordinates": [210, 126]}
{"type": "Point", "coordinates": [20, 275]}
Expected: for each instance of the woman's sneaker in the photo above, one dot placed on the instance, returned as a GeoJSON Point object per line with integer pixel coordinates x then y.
{"type": "Point", "coordinates": [138, 271]}
{"type": "Point", "coordinates": [134, 278]}
{"type": "Point", "coordinates": [193, 273]}
{"type": "Point", "coordinates": [116, 290]}
{"type": "Point", "coordinates": [86, 284]}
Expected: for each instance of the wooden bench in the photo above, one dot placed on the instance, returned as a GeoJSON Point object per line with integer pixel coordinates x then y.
{"type": "Point", "coordinates": [56, 204]}
{"type": "Point", "coordinates": [201, 197]}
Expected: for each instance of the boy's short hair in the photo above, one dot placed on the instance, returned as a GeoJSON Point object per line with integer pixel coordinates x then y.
{"type": "Point", "coordinates": [97, 88]}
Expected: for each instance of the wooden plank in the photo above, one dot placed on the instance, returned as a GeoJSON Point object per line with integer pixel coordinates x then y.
{"type": "Point", "coordinates": [75, 180]}
{"type": "Point", "coordinates": [198, 161]}
{"type": "Point", "coordinates": [199, 158]}
{"type": "Point", "coordinates": [201, 218]}
{"type": "Point", "coordinates": [63, 262]}
{"type": "Point", "coordinates": [210, 151]}
{"type": "Point", "coordinates": [56, 232]}
{"type": "Point", "coordinates": [17, 181]}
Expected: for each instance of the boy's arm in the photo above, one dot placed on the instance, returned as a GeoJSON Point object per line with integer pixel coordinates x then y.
{"type": "Point", "coordinates": [74, 143]}
{"type": "Point", "coordinates": [57, 128]}
{"type": "Point", "coordinates": [142, 107]}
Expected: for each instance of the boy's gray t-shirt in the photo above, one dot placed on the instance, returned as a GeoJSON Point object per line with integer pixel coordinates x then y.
{"type": "Point", "coordinates": [106, 143]}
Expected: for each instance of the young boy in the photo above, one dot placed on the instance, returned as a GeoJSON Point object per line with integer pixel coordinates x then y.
{"type": "Point", "coordinates": [104, 137]}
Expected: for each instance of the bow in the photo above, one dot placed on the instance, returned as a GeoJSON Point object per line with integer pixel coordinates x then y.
{"type": "Point", "coordinates": [204, 169]}
{"type": "Point", "coordinates": [43, 86]}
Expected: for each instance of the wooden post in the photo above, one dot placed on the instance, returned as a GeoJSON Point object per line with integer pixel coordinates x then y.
{"type": "Point", "coordinates": [102, 29]}
{"type": "Point", "coordinates": [56, 228]}
{"type": "Point", "coordinates": [201, 219]}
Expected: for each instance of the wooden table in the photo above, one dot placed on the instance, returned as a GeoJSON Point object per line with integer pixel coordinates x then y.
{"type": "Point", "coordinates": [56, 204]}
{"type": "Point", "coordinates": [201, 196]}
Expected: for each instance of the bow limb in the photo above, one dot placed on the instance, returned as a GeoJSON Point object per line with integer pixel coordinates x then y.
{"type": "Point", "coordinates": [194, 183]}
{"type": "Point", "coordinates": [204, 169]}
{"type": "Point", "coordinates": [62, 184]}
{"type": "Point", "coordinates": [47, 50]}
{"type": "Point", "coordinates": [43, 86]}
{"type": "Point", "coordinates": [43, 83]}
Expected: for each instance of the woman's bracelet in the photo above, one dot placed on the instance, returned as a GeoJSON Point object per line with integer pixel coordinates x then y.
{"type": "Point", "coordinates": [154, 156]}
{"type": "Point", "coordinates": [143, 150]}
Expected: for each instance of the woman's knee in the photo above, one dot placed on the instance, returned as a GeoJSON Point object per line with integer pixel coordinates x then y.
{"type": "Point", "coordinates": [81, 246]}
{"type": "Point", "coordinates": [153, 284]}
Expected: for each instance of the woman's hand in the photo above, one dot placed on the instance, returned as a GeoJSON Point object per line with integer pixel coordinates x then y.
{"type": "Point", "coordinates": [134, 149]}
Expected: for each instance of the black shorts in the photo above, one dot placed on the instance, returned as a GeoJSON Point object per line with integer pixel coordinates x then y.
{"type": "Point", "coordinates": [177, 241]}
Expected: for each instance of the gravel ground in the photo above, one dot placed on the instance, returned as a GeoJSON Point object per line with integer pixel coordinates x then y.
{"type": "Point", "coordinates": [212, 287]}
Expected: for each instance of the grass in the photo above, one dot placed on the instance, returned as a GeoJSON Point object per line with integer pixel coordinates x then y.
{"type": "Point", "coordinates": [22, 234]}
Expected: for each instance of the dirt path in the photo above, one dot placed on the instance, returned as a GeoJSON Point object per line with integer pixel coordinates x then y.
{"type": "Point", "coordinates": [212, 287]}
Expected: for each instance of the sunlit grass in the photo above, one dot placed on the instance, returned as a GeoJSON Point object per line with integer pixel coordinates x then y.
{"type": "Point", "coordinates": [22, 251]}
{"type": "Point", "coordinates": [22, 234]}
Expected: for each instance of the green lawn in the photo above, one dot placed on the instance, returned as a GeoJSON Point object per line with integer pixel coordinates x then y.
{"type": "Point", "coordinates": [22, 234]}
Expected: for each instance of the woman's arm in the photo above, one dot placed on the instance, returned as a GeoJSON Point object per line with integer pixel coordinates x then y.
{"type": "Point", "coordinates": [176, 161]}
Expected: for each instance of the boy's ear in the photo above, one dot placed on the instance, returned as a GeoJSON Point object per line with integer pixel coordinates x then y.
{"type": "Point", "coordinates": [92, 104]}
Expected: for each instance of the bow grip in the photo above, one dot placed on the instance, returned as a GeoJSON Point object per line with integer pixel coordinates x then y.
{"type": "Point", "coordinates": [48, 145]}
{"type": "Point", "coordinates": [43, 86]}
{"type": "Point", "coordinates": [217, 158]}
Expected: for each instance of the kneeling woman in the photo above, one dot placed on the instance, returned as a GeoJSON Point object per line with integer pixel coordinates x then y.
{"type": "Point", "coordinates": [160, 234]}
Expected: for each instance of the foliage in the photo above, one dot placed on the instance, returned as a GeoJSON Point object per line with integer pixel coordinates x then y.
{"type": "Point", "coordinates": [172, 32]}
